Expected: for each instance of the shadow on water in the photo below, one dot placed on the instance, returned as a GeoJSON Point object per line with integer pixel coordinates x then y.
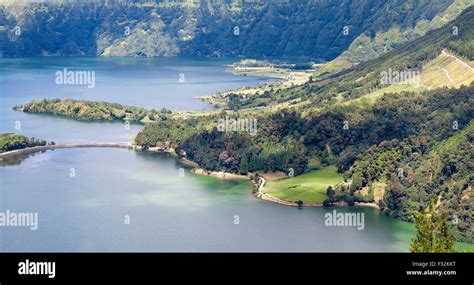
{"type": "Point", "coordinates": [18, 159]}
{"type": "Point", "coordinates": [384, 232]}
{"type": "Point", "coordinates": [211, 184]}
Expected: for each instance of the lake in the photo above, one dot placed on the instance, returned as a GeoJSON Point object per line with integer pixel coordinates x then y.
{"type": "Point", "coordinates": [144, 82]}
{"type": "Point", "coordinates": [124, 200]}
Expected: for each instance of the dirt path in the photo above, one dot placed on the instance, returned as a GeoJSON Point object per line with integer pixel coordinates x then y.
{"type": "Point", "coordinates": [447, 73]}
{"type": "Point", "coordinates": [458, 59]}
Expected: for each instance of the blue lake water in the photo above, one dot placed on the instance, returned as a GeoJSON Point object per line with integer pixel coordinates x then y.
{"type": "Point", "coordinates": [151, 83]}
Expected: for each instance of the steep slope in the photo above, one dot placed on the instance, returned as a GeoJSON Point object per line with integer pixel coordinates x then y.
{"type": "Point", "coordinates": [316, 29]}
{"type": "Point", "coordinates": [447, 70]}
{"type": "Point", "coordinates": [366, 47]}
{"type": "Point", "coordinates": [414, 57]}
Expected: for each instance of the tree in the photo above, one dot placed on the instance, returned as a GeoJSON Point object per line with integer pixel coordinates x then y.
{"type": "Point", "coordinates": [330, 192]}
{"type": "Point", "coordinates": [327, 203]}
{"type": "Point", "coordinates": [423, 241]}
{"type": "Point", "coordinates": [253, 165]}
{"type": "Point", "coordinates": [244, 165]}
{"type": "Point", "coordinates": [271, 163]}
{"type": "Point", "coordinates": [356, 182]}
{"type": "Point", "coordinates": [444, 241]}
{"type": "Point", "coordinates": [432, 232]}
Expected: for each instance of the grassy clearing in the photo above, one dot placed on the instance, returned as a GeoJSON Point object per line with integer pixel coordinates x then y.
{"type": "Point", "coordinates": [443, 71]}
{"type": "Point", "coordinates": [370, 98]}
{"type": "Point", "coordinates": [310, 187]}
{"type": "Point", "coordinates": [331, 67]}
{"type": "Point", "coordinates": [463, 247]}
{"type": "Point", "coordinates": [446, 71]}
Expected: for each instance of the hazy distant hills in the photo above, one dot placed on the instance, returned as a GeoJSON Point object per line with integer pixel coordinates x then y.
{"type": "Point", "coordinates": [314, 29]}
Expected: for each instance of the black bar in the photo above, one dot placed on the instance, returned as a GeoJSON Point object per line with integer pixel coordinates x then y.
{"type": "Point", "coordinates": [356, 268]}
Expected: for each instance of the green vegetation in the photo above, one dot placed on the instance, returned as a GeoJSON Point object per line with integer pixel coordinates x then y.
{"type": "Point", "coordinates": [463, 247]}
{"type": "Point", "coordinates": [446, 71]}
{"type": "Point", "coordinates": [405, 130]}
{"type": "Point", "coordinates": [432, 232]}
{"type": "Point", "coordinates": [93, 111]}
{"type": "Point", "coordinates": [11, 141]}
{"type": "Point", "coordinates": [419, 168]}
{"type": "Point", "coordinates": [310, 187]}
{"type": "Point", "coordinates": [369, 46]}
{"type": "Point", "coordinates": [216, 150]}
{"type": "Point", "coordinates": [399, 146]}
{"type": "Point", "coordinates": [166, 134]}
{"type": "Point", "coordinates": [365, 78]}
{"type": "Point", "coordinates": [252, 63]}
{"type": "Point", "coordinates": [371, 98]}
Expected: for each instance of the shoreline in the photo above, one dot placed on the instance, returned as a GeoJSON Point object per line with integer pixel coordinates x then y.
{"type": "Point", "coordinates": [218, 174]}
{"type": "Point", "coordinates": [282, 77]}
{"type": "Point", "coordinates": [259, 193]}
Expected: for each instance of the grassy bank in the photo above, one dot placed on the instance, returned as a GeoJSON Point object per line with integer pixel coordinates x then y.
{"type": "Point", "coordinates": [463, 247]}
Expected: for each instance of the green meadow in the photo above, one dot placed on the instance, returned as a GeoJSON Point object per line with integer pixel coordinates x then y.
{"type": "Point", "coordinates": [310, 187]}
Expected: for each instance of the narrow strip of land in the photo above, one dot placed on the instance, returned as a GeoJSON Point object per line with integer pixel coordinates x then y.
{"type": "Point", "coordinates": [16, 152]}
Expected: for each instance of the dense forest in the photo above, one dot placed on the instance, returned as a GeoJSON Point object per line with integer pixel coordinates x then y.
{"type": "Point", "coordinates": [315, 29]}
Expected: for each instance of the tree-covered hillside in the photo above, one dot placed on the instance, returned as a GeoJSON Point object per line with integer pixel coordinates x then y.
{"type": "Point", "coordinates": [316, 29]}
{"type": "Point", "coordinates": [426, 135]}
{"type": "Point", "coordinates": [415, 170]}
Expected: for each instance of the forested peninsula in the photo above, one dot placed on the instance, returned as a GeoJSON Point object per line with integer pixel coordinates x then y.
{"type": "Point", "coordinates": [93, 111]}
